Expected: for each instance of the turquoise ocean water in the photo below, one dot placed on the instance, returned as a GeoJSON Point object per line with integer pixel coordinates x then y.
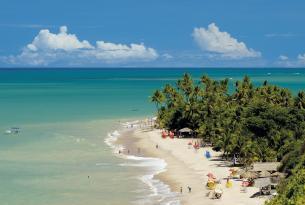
{"type": "Point", "coordinates": [65, 115]}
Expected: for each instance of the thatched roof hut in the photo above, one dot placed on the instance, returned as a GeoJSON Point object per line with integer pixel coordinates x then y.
{"type": "Point", "coordinates": [262, 182]}
{"type": "Point", "coordinates": [265, 166]}
{"type": "Point", "coordinates": [185, 132]}
{"type": "Point", "coordinates": [249, 174]}
{"type": "Point", "coordinates": [264, 173]}
{"type": "Point", "coordinates": [186, 129]}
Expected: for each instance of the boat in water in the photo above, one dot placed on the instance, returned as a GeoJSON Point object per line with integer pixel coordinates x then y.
{"type": "Point", "coordinates": [12, 130]}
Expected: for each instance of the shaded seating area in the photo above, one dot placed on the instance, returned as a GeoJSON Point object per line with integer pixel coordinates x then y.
{"type": "Point", "coordinates": [185, 133]}
{"type": "Point", "coordinates": [263, 175]}
{"type": "Point", "coordinates": [268, 177]}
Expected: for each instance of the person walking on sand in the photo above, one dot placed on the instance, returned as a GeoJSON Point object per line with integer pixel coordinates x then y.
{"type": "Point", "coordinates": [189, 188]}
{"type": "Point", "coordinates": [157, 146]}
{"type": "Point", "coordinates": [181, 190]}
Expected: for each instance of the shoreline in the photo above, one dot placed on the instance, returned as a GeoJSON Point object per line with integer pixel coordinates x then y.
{"type": "Point", "coordinates": [186, 167]}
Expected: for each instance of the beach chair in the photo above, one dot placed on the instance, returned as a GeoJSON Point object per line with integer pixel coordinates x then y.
{"type": "Point", "coordinates": [217, 193]}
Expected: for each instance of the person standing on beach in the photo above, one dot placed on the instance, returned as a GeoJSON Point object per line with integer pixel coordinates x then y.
{"type": "Point", "coordinates": [181, 190]}
{"type": "Point", "coordinates": [189, 188]}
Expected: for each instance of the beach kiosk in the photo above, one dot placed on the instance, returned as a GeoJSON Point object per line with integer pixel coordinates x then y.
{"type": "Point", "coordinates": [185, 132]}
{"type": "Point", "coordinates": [268, 178]}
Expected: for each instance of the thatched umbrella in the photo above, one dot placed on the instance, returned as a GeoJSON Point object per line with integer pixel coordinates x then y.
{"type": "Point", "coordinates": [249, 174]}
{"type": "Point", "coordinates": [278, 174]}
{"type": "Point", "coordinates": [262, 182]}
{"type": "Point", "coordinates": [276, 177]}
{"type": "Point", "coordinates": [265, 174]}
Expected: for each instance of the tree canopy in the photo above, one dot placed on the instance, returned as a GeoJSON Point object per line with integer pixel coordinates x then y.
{"type": "Point", "coordinates": [257, 123]}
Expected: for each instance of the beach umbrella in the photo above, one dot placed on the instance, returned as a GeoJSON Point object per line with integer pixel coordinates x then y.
{"type": "Point", "coordinates": [278, 174]}
{"type": "Point", "coordinates": [262, 182]}
{"type": "Point", "coordinates": [207, 154]}
{"type": "Point", "coordinates": [264, 173]}
{"type": "Point", "coordinates": [164, 134]}
{"type": "Point", "coordinates": [249, 174]}
{"type": "Point", "coordinates": [233, 171]}
{"type": "Point", "coordinates": [211, 175]}
{"type": "Point", "coordinates": [171, 134]}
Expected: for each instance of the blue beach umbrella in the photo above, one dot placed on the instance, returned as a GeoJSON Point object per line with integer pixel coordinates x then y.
{"type": "Point", "coordinates": [207, 154]}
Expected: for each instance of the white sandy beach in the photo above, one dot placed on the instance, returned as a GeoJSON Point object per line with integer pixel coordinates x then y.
{"type": "Point", "coordinates": [187, 167]}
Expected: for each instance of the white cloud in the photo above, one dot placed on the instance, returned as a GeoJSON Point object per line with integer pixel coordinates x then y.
{"type": "Point", "coordinates": [301, 57]}
{"type": "Point", "coordinates": [113, 52]}
{"type": "Point", "coordinates": [283, 58]}
{"type": "Point", "coordinates": [298, 61]}
{"type": "Point", "coordinates": [222, 43]}
{"type": "Point", "coordinates": [49, 48]}
{"type": "Point", "coordinates": [279, 35]}
{"type": "Point", "coordinates": [46, 40]}
{"type": "Point", "coordinates": [167, 56]}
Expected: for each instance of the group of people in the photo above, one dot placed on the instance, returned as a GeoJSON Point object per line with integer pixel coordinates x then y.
{"type": "Point", "coordinates": [128, 151]}
{"type": "Point", "coordinates": [188, 187]}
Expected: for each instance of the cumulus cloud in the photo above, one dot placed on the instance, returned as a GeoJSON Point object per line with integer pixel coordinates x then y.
{"type": "Point", "coordinates": [48, 47]}
{"type": "Point", "coordinates": [46, 40]}
{"type": "Point", "coordinates": [222, 44]}
{"type": "Point", "coordinates": [167, 56]}
{"type": "Point", "coordinates": [298, 61]}
{"type": "Point", "coordinates": [301, 58]}
{"type": "Point", "coordinates": [283, 58]}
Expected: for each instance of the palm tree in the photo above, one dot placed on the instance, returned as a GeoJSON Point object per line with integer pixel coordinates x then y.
{"type": "Point", "coordinates": [300, 100]}
{"type": "Point", "coordinates": [158, 98]}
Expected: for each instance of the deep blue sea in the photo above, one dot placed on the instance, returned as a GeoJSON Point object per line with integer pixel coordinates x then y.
{"type": "Point", "coordinates": [64, 116]}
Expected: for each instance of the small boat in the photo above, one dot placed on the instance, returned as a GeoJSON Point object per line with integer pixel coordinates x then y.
{"type": "Point", "coordinates": [8, 132]}
{"type": "Point", "coordinates": [12, 130]}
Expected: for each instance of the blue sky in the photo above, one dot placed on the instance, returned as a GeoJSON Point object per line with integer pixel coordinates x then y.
{"type": "Point", "coordinates": [218, 33]}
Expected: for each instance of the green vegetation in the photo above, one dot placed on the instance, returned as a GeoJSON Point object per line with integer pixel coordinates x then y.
{"type": "Point", "coordinates": [264, 123]}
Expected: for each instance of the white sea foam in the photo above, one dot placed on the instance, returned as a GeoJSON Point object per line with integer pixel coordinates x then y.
{"type": "Point", "coordinates": [133, 124]}
{"type": "Point", "coordinates": [160, 192]}
{"type": "Point", "coordinates": [101, 164]}
{"type": "Point", "coordinates": [111, 139]}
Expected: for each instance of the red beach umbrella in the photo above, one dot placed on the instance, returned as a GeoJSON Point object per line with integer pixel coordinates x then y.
{"type": "Point", "coordinates": [171, 134]}
{"type": "Point", "coordinates": [211, 175]}
{"type": "Point", "coordinates": [164, 134]}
